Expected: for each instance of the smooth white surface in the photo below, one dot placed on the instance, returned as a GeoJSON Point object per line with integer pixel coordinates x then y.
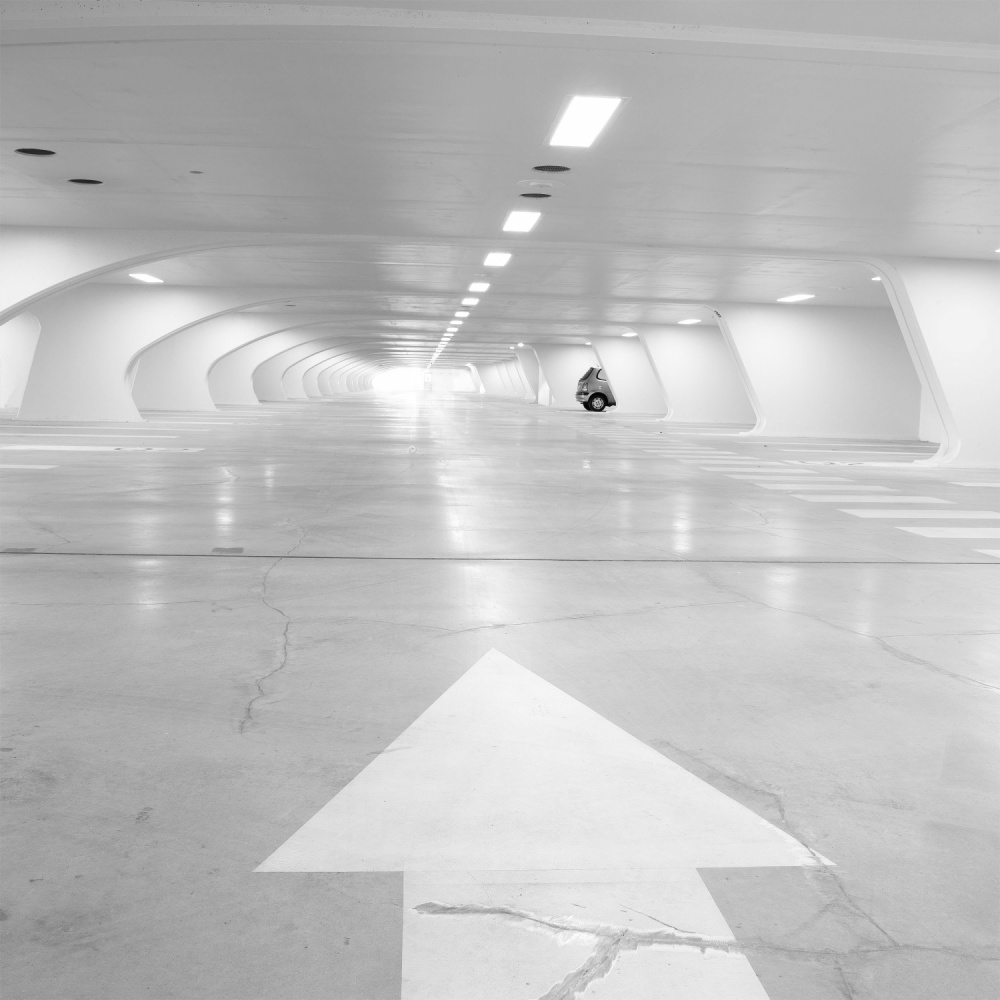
{"type": "Point", "coordinates": [630, 375]}
{"type": "Point", "coordinates": [825, 371]}
{"type": "Point", "coordinates": [504, 771]}
{"type": "Point", "coordinates": [699, 374]}
{"type": "Point", "coordinates": [562, 368]}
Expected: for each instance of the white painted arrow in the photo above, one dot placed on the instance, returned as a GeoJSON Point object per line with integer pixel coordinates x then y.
{"type": "Point", "coordinates": [547, 854]}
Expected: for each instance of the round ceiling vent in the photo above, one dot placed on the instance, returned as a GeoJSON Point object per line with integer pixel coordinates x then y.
{"type": "Point", "coordinates": [84, 180]}
{"type": "Point", "coordinates": [31, 151]}
{"type": "Point", "coordinates": [551, 168]}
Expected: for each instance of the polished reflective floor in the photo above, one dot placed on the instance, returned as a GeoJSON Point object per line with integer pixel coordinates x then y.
{"type": "Point", "coordinates": [503, 702]}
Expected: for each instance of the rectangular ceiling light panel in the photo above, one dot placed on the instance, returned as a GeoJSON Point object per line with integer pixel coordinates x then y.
{"type": "Point", "coordinates": [496, 259]}
{"type": "Point", "coordinates": [521, 222]}
{"type": "Point", "coordinates": [583, 120]}
{"type": "Point", "coordinates": [470, 302]}
{"type": "Point", "coordinates": [479, 286]}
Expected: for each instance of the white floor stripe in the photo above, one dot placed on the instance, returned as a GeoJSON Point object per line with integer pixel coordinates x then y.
{"type": "Point", "coordinates": [849, 498]}
{"type": "Point", "coordinates": [4, 465]}
{"type": "Point", "coordinates": [823, 483]}
{"type": "Point", "coordinates": [85, 434]}
{"type": "Point", "coordinates": [953, 532]}
{"type": "Point", "coordinates": [952, 515]}
{"type": "Point", "coordinates": [86, 447]}
{"type": "Point", "coordinates": [989, 552]}
{"type": "Point", "coordinates": [771, 475]}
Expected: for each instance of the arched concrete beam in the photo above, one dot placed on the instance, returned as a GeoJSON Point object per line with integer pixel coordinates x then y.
{"type": "Point", "coordinates": [90, 338]}
{"type": "Point", "coordinates": [172, 374]}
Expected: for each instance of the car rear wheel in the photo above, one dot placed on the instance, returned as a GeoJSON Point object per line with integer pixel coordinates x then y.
{"type": "Point", "coordinates": [597, 402]}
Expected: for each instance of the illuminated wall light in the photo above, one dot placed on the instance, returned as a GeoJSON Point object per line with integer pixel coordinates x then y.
{"type": "Point", "coordinates": [796, 298]}
{"type": "Point", "coordinates": [520, 345]}
{"type": "Point", "coordinates": [470, 302]}
{"type": "Point", "coordinates": [462, 315]}
{"type": "Point", "coordinates": [876, 278]}
{"type": "Point", "coordinates": [582, 121]}
{"type": "Point", "coordinates": [479, 286]}
{"type": "Point", "coordinates": [496, 259]}
{"type": "Point", "coordinates": [688, 322]}
{"type": "Point", "coordinates": [521, 222]}
{"type": "Point", "coordinates": [148, 279]}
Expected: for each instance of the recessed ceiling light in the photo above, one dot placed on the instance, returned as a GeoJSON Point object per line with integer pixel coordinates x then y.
{"type": "Point", "coordinates": [457, 322]}
{"type": "Point", "coordinates": [496, 259]}
{"type": "Point", "coordinates": [876, 278]}
{"type": "Point", "coordinates": [462, 314]}
{"type": "Point", "coordinates": [521, 222]}
{"type": "Point", "coordinates": [452, 329]}
{"type": "Point", "coordinates": [149, 279]}
{"type": "Point", "coordinates": [583, 119]}
{"type": "Point", "coordinates": [470, 302]}
{"type": "Point", "coordinates": [479, 286]}
{"type": "Point", "coordinates": [511, 348]}
{"type": "Point", "coordinates": [84, 180]}
{"type": "Point", "coordinates": [796, 298]}
{"type": "Point", "coordinates": [586, 343]}
{"type": "Point", "coordinates": [520, 344]}
{"type": "Point", "coordinates": [33, 151]}
{"type": "Point", "coordinates": [551, 168]}
{"type": "Point", "coordinates": [688, 322]}
{"type": "Point", "coordinates": [631, 333]}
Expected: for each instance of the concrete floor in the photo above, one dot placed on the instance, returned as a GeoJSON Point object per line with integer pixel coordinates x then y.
{"type": "Point", "coordinates": [202, 648]}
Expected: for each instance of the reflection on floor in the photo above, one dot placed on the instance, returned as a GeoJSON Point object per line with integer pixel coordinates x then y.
{"type": "Point", "coordinates": [737, 738]}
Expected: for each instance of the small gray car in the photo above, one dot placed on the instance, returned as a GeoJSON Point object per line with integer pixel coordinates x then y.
{"type": "Point", "coordinates": [593, 390]}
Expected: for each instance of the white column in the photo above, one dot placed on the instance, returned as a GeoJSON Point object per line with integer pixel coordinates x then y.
{"type": "Point", "coordinates": [700, 377]}
{"type": "Point", "coordinates": [630, 374]}
{"type": "Point", "coordinates": [18, 339]}
{"type": "Point", "coordinates": [949, 311]}
{"type": "Point", "coordinates": [561, 366]}
{"type": "Point", "coordinates": [230, 379]}
{"type": "Point", "coordinates": [826, 371]}
{"type": "Point", "coordinates": [173, 373]}
{"type": "Point", "coordinates": [90, 337]}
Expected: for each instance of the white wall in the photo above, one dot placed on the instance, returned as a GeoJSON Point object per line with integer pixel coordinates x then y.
{"type": "Point", "coordinates": [493, 381]}
{"type": "Point", "coordinates": [18, 339]}
{"type": "Point", "coordinates": [630, 374]}
{"type": "Point", "coordinates": [950, 310]}
{"type": "Point", "coordinates": [824, 371]}
{"type": "Point", "coordinates": [700, 375]}
{"type": "Point", "coordinates": [230, 379]}
{"type": "Point", "coordinates": [562, 366]}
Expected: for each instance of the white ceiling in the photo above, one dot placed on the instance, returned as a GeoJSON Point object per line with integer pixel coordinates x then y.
{"type": "Point", "coordinates": [757, 139]}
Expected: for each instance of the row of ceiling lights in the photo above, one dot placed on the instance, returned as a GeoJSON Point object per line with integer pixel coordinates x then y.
{"type": "Point", "coordinates": [581, 122]}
